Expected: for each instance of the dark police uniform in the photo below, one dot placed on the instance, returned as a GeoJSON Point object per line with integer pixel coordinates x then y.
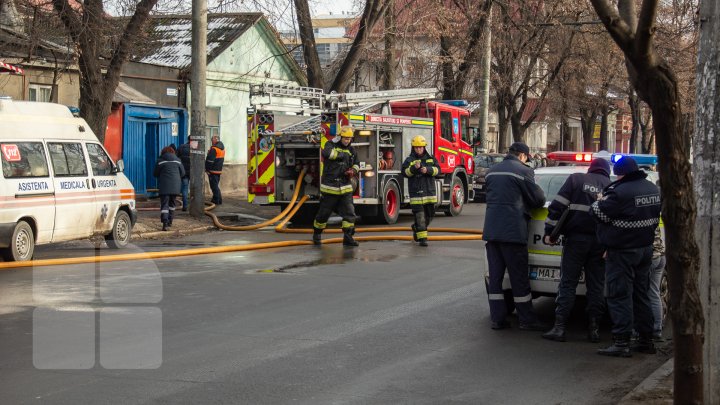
{"type": "Point", "coordinates": [422, 191]}
{"type": "Point", "coordinates": [213, 166]}
{"type": "Point", "coordinates": [581, 248]}
{"type": "Point", "coordinates": [511, 194]}
{"type": "Point", "coordinates": [336, 189]}
{"type": "Point", "coordinates": [627, 215]}
{"type": "Point", "coordinates": [169, 172]}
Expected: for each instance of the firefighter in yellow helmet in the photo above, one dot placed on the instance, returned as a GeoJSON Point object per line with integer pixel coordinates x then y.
{"type": "Point", "coordinates": [421, 168]}
{"type": "Point", "coordinates": [340, 166]}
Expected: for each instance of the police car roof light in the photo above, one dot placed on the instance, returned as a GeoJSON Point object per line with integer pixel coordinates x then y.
{"type": "Point", "coordinates": [641, 159]}
{"type": "Point", "coordinates": [569, 156]}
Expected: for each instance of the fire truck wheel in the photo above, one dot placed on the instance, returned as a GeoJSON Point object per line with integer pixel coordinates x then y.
{"type": "Point", "coordinates": [390, 209]}
{"type": "Point", "coordinates": [457, 198]}
{"type": "Point", "coordinates": [22, 244]}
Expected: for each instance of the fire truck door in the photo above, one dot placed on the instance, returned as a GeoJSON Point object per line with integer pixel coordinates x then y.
{"type": "Point", "coordinates": [447, 132]}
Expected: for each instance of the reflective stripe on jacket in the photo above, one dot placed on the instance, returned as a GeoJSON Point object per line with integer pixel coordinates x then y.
{"type": "Point", "coordinates": [421, 185]}
{"type": "Point", "coordinates": [578, 192]}
{"type": "Point", "coordinates": [169, 172]}
{"type": "Point", "coordinates": [337, 159]}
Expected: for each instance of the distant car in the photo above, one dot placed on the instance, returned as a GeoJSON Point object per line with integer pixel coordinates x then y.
{"type": "Point", "coordinates": [483, 161]}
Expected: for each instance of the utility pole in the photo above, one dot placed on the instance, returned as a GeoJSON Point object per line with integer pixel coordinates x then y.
{"type": "Point", "coordinates": [197, 107]}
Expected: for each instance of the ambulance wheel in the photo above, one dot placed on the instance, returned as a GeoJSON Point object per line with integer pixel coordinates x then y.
{"type": "Point", "coordinates": [121, 231]}
{"type": "Point", "coordinates": [390, 210]}
{"type": "Point", "coordinates": [22, 244]}
{"type": "Point", "coordinates": [457, 198]}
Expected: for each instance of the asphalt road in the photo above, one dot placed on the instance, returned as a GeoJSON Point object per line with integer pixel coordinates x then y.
{"type": "Point", "coordinates": [385, 323]}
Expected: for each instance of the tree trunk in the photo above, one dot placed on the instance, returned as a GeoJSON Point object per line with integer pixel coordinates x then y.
{"type": "Point", "coordinates": [518, 129]}
{"type": "Point", "coordinates": [390, 39]}
{"type": "Point", "coordinates": [634, 104]}
{"type": "Point", "coordinates": [502, 144]}
{"type": "Point", "coordinates": [587, 124]}
{"type": "Point", "coordinates": [448, 72]}
{"type": "Point", "coordinates": [604, 130]}
{"type": "Point", "coordinates": [706, 173]}
{"type": "Point", "coordinates": [307, 38]}
{"type": "Point", "coordinates": [374, 9]}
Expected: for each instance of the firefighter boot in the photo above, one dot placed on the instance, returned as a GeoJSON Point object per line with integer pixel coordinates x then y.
{"type": "Point", "coordinates": [423, 241]}
{"type": "Point", "coordinates": [414, 229]}
{"type": "Point", "coordinates": [317, 232]}
{"type": "Point", "coordinates": [619, 348]}
{"type": "Point", "coordinates": [594, 330]}
{"type": "Point", "coordinates": [557, 333]}
{"type": "Point", "coordinates": [644, 344]}
{"type": "Point", "coordinates": [348, 237]}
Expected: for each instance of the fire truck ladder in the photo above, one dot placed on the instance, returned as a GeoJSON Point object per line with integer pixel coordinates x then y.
{"type": "Point", "coordinates": [310, 98]}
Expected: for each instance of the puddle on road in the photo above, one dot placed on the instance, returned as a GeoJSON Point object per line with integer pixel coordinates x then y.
{"type": "Point", "coordinates": [333, 256]}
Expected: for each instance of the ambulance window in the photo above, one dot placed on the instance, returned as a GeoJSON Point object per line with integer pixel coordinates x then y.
{"type": "Point", "coordinates": [446, 130]}
{"type": "Point", "coordinates": [67, 159]}
{"type": "Point", "coordinates": [99, 160]}
{"type": "Point", "coordinates": [23, 159]}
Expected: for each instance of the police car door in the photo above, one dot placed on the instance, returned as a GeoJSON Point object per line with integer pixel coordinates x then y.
{"type": "Point", "coordinates": [74, 199]}
{"type": "Point", "coordinates": [104, 185]}
{"type": "Point", "coordinates": [27, 189]}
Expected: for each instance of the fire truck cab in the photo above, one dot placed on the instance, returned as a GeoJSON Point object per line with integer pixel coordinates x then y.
{"type": "Point", "coordinates": [279, 150]}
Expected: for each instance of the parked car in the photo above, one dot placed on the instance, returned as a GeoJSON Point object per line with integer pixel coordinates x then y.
{"type": "Point", "coordinates": [483, 161]}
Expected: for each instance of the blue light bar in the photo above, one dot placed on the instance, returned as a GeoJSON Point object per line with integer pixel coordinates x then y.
{"type": "Point", "coordinates": [641, 159]}
{"type": "Point", "coordinates": [456, 103]}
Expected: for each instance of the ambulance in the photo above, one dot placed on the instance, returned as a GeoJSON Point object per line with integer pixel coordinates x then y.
{"type": "Point", "coordinates": [544, 259]}
{"type": "Point", "coordinates": [58, 182]}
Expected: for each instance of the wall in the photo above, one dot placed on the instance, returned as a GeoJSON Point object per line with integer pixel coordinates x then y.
{"type": "Point", "coordinates": [160, 83]}
{"type": "Point", "coordinates": [68, 85]}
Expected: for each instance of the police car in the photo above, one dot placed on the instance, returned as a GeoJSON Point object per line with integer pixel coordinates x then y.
{"type": "Point", "coordinates": [58, 182]}
{"type": "Point", "coordinates": [543, 259]}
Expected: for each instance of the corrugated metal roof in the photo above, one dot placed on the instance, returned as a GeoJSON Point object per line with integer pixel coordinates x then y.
{"type": "Point", "coordinates": [170, 37]}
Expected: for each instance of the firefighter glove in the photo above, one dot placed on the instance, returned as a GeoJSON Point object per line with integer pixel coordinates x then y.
{"type": "Point", "coordinates": [350, 172]}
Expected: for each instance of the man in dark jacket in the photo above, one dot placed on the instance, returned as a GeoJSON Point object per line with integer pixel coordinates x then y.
{"type": "Point", "coordinates": [511, 194]}
{"type": "Point", "coordinates": [339, 168]}
{"type": "Point", "coordinates": [184, 154]}
{"type": "Point", "coordinates": [169, 171]}
{"type": "Point", "coordinates": [421, 168]}
{"type": "Point", "coordinates": [213, 166]}
{"type": "Point", "coordinates": [581, 248]}
{"type": "Point", "coordinates": [627, 214]}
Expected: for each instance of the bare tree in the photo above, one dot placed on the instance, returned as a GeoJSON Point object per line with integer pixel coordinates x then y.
{"type": "Point", "coordinates": [307, 38]}
{"type": "Point", "coordinates": [656, 83]}
{"type": "Point", "coordinates": [88, 29]}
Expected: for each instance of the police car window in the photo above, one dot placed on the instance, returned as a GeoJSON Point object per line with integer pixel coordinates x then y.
{"type": "Point", "coordinates": [551, 184]}
{"type": "Point", "coordinates": [67, 159]}
{"type": "Point", "coordinates": [446, 130]}
{"type": "Point", "coordinates": [99, 160]}
{"type": "Point", "coordinates": [23, 159]}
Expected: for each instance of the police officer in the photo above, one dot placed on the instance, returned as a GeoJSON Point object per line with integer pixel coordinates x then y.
{"type": "Point", "coordinates": [581, 248]}
{"type": "Point", "coordinates": [336, 188]}
{"type": "Point", "coordinates": [421, 168]}
{"type": "Point", "coordinates": [511, 193]}
{"type": "Point", "coordinates": [213, 166]}
{"type": "Point", "coordinates": [169, 171]}
{"type": "Point", "coordinates": [627, 214]}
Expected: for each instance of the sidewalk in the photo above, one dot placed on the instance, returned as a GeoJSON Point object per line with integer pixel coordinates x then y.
{"type": "Point", "coordinates": [657, 388]}
{"type": "Point", "coordinates": [148, 225]}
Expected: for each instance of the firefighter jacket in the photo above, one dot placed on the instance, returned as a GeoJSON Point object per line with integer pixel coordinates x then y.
{"type": "Point", "coordinates": [578, 192]}
{"type": "Point", "coordinates": [337, 159]}
{"type": "Point", "coordinates": [215, 159]}
{"type": "Point", "coordinates": [628, 212]}
{"type": "Point", "coordinates": [421, 185]}
{"type": "Point", "coordinates": [511, 194]}
{"type": "Point", "coordinates": [169, 172]}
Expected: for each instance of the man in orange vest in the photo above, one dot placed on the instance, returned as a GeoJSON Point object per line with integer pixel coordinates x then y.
{"type": "Point", "coordinates": [213, 167]}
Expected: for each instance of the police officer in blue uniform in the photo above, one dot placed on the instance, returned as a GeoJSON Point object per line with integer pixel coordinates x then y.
{"type": "Point", "coordinates": [336, 189]}
{"type": "Point", "coordinates": [421, 168]}
{"type": "Point", "coordinates": [627, 214]}
{"type": "Point", "coordinates": [511, 194]}
{"type": "Point", "coordinates": [581, 248]}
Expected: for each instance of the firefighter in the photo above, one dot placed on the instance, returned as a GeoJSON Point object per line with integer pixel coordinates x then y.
{"type": "Point", "coordinates": [581, 248]}
{"type": "Point", "coordinates": [421, 168]}
{"type": "Point", "coordinates": [627, 214]}
{"type": "Point", "coordinates": [336, 188]}
{"type": "Point", "coordinates": [213, 166]}
{"type": "Point", "coordinates": [511, 194]}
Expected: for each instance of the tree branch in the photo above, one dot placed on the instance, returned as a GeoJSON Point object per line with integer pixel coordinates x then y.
{"type": "Point", "coordinates": [618, 29]}
{"type": "Point", "coordinates": [646, 31]}
{"type": "Point", "coordinates": [120, 55]}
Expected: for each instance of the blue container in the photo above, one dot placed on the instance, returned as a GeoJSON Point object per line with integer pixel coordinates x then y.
{"type": "Point", "coordinates": [146, 131]}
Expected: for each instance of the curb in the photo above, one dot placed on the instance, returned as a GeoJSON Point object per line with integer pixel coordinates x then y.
{"type": "Point", "coordinates": [153, 234]}
{"type": "Point", "coordinates": [649, 384]}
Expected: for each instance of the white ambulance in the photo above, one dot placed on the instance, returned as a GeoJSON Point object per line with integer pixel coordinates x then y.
{"type": "Point", "coordinates": [58, 183]}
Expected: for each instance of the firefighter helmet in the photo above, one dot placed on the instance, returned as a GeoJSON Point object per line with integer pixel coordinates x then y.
{"type": "Point", "coordinates": [346, 132]}
{"type": "Point", "coordinates": [419, 141]}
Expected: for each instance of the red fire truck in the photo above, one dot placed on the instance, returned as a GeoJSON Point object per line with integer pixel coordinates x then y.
{"type": "Point", "coordinates": [288, 127]}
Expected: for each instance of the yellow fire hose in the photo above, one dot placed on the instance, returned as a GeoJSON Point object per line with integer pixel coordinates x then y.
{"type": "Point", "coordinates": [283, 217]}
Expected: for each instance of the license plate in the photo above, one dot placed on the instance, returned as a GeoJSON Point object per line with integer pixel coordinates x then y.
{"type": "Point", "coordinates": [477, 186]}
{"type": "Point", "coordinates": [549, 274]}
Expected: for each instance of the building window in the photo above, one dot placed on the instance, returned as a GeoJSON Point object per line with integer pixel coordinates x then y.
{"type": "Point", "coordinates": [212, 122]}
{"type": "Point", "coordinates": [40, 92]}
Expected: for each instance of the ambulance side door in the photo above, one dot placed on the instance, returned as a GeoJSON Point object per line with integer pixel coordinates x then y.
{"type": "Point", "coordinates": [27, 189]}
{"type": "Point", "coordinates": [104, 185]}
{"type": "Point", "coordinates": [74, 199]}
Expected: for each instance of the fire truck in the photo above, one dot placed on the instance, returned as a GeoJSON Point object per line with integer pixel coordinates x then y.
{"type": "Point", "coordinates": [289, 126]}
